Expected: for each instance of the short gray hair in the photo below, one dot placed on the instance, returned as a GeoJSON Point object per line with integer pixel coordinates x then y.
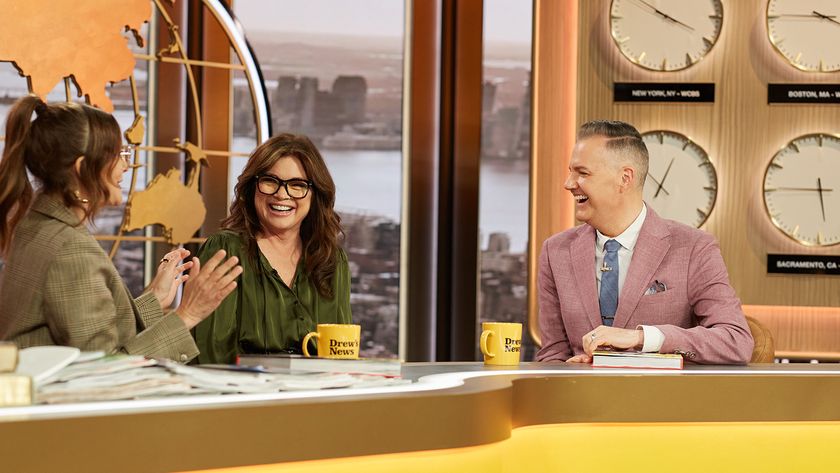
{"type": "Point", "coordinates": [622, 138]}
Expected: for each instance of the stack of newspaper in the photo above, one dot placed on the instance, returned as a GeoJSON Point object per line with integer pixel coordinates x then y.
{"type": "Point", "coordinates": [93, 376]}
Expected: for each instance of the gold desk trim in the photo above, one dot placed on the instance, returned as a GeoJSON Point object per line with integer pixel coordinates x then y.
{"type": "Point", "coordinates": [483, 410]}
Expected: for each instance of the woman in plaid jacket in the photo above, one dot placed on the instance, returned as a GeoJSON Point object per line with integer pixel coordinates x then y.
{"type": "Point", "coordinates": [58, 287]}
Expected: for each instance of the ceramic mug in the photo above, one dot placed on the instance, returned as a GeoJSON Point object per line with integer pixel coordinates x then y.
{"type": "Point", "coordinates": [335, 341]}
{"type": "Point", "coordinates": [501, 343]}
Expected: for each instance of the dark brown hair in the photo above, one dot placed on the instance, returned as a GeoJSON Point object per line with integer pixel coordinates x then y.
{"type": "Point", "coordinates": [321, 228]}
{"type": "Point", "coordinates": [48, 147]}
{"type": "Point", "coordinates": [622, 138]}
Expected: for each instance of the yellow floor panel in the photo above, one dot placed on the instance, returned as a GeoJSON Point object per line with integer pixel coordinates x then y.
{"type": "Point", "coordinates": [683, 447]}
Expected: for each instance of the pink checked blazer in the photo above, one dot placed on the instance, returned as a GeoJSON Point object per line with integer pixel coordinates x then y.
{"type": "Point", "coordinates": [699, 312]}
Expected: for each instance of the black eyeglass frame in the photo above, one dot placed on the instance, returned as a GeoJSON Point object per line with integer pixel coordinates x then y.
{"type": "Point", "coordinates": [284, 183]}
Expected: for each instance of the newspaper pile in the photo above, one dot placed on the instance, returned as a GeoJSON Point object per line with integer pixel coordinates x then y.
{"type": "Point", "coordinates": [96, 377]}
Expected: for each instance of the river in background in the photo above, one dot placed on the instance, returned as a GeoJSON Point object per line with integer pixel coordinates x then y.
{"type": "Point", "coordinates": [370, 182]}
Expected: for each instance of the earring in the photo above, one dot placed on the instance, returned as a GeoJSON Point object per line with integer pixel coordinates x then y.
{"type": "Point", "coordinates": [79, 197]}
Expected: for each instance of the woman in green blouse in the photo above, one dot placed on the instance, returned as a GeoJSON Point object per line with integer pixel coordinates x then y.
{"type": "Point", "coordinates": [284, 230]}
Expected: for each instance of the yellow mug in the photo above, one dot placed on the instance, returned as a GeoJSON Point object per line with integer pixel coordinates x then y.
{"type": "Point", "coordinates": [335, 341]}
{"type": "Point", "coordinates": [501, 343]}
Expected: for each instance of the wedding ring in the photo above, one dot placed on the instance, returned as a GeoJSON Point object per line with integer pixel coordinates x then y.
{"type": "Point", "coordinates": [164, 260]}
{"type": "Point", "coordinates": [592, 337]}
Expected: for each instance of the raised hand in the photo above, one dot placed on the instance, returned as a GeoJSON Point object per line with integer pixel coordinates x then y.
{"type": "Point", "coordinates": [207, 287]}
{"type": "Point", "coordinates": [169, 276]}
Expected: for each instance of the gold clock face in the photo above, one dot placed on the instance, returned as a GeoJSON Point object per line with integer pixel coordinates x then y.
{"type": "Point", "coordinates": [665, 35]}
{"type": "Point", "coordinates": [802, 190]}
{"type": "Point", "coordinates": [681, 183]}
{"type": "Point", "coordinates": [806, 33]}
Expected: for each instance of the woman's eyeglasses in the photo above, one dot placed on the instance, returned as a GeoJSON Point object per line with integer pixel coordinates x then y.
{"type": "Point", "coordinates": [296, 188]}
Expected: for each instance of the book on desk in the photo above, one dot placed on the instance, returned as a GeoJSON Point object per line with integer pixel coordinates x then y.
{"type": "Point", "coordinates": [284, 363]}
{"type": "Point", "coordinates": [636, 359]}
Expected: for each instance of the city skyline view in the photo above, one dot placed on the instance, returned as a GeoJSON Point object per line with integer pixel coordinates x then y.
{"type": "Point", "coordinates": [343, 88]}
{"type": "Point", "coordinates": [345, 91]}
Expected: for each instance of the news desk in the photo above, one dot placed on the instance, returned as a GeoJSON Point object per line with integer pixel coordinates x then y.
{"type": "Point", "coordinates": [459, 417]}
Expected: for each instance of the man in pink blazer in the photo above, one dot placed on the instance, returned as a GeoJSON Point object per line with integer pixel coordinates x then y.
{"type": "Point", "coordinates": [669, 279]}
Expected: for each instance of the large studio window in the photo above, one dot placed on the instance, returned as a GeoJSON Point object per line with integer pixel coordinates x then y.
{"type": "Point", "coordinates": [333, 71]}
{"type": "Point", "coordinates": [505, 158]}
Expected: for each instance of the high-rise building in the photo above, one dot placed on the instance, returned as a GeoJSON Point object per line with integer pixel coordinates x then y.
{"type": "Point", "coordinates": [307, 98]}
{"type": "Point", "coordinates": [522, 141]}
{"type": "Point", "coordinates": [351, 93]}
{"type": "Point", "coordinates": [488, 97]}
{"type": "Point", "coordinates": [284, 98]}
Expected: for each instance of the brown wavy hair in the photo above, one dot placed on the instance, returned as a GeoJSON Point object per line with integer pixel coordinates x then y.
{"type": "Point", "coordinates": [320, 230]}
{"type": "Point", "coordinates": [48, 147]}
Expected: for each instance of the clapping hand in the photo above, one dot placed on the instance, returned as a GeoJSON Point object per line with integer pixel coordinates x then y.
{"type": "Point", "coordinates": [169, 276]}
{"type": "Point", "coordinates": [207, 287]}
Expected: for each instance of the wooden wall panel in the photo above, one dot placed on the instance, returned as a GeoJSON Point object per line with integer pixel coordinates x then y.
{"type": "Point", "coordinates": [801, 333]}
{"type": "Point", "coordinates": [216, 108]}
{"type": "Point", "coordinates": [552, 131]}
{"type": "Point", "coordinates": [740, 131]}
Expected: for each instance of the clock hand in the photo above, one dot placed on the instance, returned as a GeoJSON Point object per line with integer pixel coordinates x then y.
{"type": "Point", "coordinates": [820, 190]}
{"type": "Point", "coordinates": [825, 17]}
{"type": "Point", "coordinates": [658, 184]}
{"type": "Point", "coordinates": [797, 189]}
{"type": "Point", "coordinates": [664, 15]}
{"type": "Point", "coordinates": [664, 177]}
{"type": "Point", "coordinates": [803, 15]}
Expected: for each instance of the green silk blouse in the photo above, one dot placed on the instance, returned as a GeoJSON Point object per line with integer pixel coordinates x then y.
{"type": "Point", "coordinates": [263, 314]}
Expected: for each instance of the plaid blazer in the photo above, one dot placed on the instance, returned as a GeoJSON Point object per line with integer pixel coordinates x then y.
{"type": "Point", "coordinates": [58, 287]}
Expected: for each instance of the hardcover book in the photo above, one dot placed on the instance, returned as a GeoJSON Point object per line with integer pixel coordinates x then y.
{"type": "Point", "coordinates": [635, 359]}
{"type": "Point", "coordinates": [300, 364]}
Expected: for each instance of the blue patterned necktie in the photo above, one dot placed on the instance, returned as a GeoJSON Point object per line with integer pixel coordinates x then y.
{"type": "Point", "coordinates": [608, 299]}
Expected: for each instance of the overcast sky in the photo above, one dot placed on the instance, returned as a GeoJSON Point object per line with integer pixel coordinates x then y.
{"type": "Point", "coordinates": [505, 20]}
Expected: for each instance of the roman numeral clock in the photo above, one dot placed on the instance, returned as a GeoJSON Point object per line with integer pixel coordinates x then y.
{"type": "Point", "coordinates": [802, 190]}
{"type": "Point", "coordinates": [665, 35]}
{"type": "Point", "coordinates": [681, 183]}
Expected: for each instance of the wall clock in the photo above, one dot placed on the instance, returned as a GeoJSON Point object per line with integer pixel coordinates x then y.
{"type": "Point", "coordinates": [802, 190]}
{"type": "Point", "coordinates": [665, 35]}
{"type": "Point", "coordinates": [806, 33]}
{"type": "Point", "coordinates": [682, 182]}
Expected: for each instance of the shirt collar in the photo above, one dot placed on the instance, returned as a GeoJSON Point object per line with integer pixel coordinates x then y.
{"type": "Point", "coordinates": [629, 236]}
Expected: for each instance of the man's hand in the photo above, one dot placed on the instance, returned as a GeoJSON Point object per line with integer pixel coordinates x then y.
{"type": "Point", "coordinates": [611, 337]}
{"type": "Point", "coordinates": [582, 358]}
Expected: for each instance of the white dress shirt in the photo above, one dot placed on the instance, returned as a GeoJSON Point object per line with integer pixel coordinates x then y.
{"type": "Point", "coordinates": [654, 338]}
